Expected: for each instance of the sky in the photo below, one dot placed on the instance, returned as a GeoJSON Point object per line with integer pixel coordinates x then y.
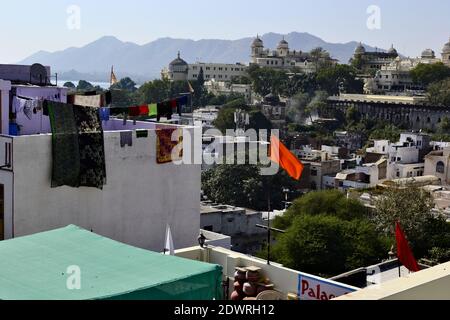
{"type": "Point", "coordinates": [27, 26]}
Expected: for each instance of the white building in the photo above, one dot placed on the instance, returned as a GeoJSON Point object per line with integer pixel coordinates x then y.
{"type": "Point", "coordinates": [139, 199]}
{"type": "Point", "coordinates": [227, 88]}
{"type": "Point", "coordinates": [238, 223]}
{"type": "Point", "coordinates": [180, 70]}
{"type": "Point", "coordinates": [364, 176]}
{"type": "Point", "coordinates": [446, 54]}
{"type": "Point", "coordinates": [396, 75]}
{"type": "Point", "coordinates": [437, 163]}
{"type": "Point", "coordinates": [406, 156]}
{"type": "Point", "coordinates": [284, 58]}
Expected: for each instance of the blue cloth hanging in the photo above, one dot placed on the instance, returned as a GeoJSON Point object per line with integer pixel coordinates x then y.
{"type": "Point", "coordinates": [104, 114]}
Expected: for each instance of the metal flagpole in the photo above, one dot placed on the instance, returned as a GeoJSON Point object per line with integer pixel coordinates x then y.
{"type": "Point", "coordinates": [269, 238]}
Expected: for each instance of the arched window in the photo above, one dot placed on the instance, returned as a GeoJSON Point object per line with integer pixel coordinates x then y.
{"type": "Point", "coordinates": [440, 167]}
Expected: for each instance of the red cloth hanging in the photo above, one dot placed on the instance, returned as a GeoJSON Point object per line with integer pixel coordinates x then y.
{"type": "Point", "coordinates": [134, 111]}
{"type": "Point", "coordinates": [143, 110]}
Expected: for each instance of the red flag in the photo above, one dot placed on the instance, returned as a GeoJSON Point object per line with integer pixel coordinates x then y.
{"type": "Point", "coordinates": [404, 253]}
{"type": "Point", "coordinates": [281, 155]}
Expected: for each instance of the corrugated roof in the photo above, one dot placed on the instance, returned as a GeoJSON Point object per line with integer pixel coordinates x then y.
{"type": "Point", "coordinates": [34, 268]}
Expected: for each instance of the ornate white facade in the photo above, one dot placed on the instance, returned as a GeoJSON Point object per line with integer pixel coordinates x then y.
{"type": "Point", "coordinates": [180, 70]}
{"type": "Point", "coordinates": [284, 58]}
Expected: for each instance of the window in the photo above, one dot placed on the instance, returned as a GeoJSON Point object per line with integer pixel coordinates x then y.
{"type": "Point", "coordinates": [314, 172]}
{"type": "Point", "coordinates": [440, 167]}
{"type": "Point", "coordinates": [208, 68]}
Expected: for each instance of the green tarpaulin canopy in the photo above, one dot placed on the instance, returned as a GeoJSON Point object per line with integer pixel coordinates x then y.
{"type": "Point", "coordinates": [35, 268]}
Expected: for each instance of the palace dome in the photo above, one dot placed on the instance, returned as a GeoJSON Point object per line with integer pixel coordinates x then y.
{"type": "Point", "coordinates": [428, 53]}
{"type": "Point", "coordinates": [446, 48]}
{"type": "Point", "coordinates": [178, 62]}
{"type": "Point", "coordinates": [360, 49]}
{"type": "Point", "coordinates": [258, 42]}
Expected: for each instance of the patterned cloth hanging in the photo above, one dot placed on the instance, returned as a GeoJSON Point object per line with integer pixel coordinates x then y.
{"type": "Point", "coordinates": [165, 152]}
{"type": "Point", "coordinates": [65, 149]}
{"type": "Point", "coordinates": [77, 146]}
{"type": "Point", "coordinates": [91, 147]}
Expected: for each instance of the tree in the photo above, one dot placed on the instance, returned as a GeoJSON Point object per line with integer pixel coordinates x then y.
{"type": "Point", "coordinates": [125, 84]}
{"type": "Point", "coordinates": [69, 85]}
{"type": "Point", "coordinates": [123, 98]}
{"type": "Point", "coordinates": [438, 93]}
{"type": "Point", "coordinates": [320, 58]}
{"type": "Point", "coordinates": [327, 246]}
{"type": "Point", "coordinates": [329, 202]}
{"type": "Point", "coordinates": [225, 118]}
{"type": "Point", "coordinates": [426, 74]}
{"type": "Point", "coordinates": [267, 80]}
{"type": "Point", "coordinates": [84, 86]}
{"type": "Point", "coordinates": [412, 208]}
{"type": "Point", "coordinates": [154, 91]}
{"type": "Point", "coordinates": [201, 77]}
{"type": "Point", "coordinates": [340, 77]}
{"type": "Point", "coordinates": [386, 132]}
{"type": "Point", "coordinates": [299, 83]}
{"type": "Point", "coordinates": [243, 186]}
{"type": "Point", "coordinates": [352, 116]}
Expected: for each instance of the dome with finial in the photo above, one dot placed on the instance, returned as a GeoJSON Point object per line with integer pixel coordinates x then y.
{"type": "Point", "coordinates": [428, 54]}
{"type": "Point", "coordinates": [360, 49]}
{"type": "Point", "coordinates": [283, 44]}
{"type": "Point", "coordinates": [446, 47]}
{"type": "Point", "coordinates": [392, 50]}
{"type": "Point", "coordinates": [258, 42]}
{"type": "Point", "coordinates": [178, 61]}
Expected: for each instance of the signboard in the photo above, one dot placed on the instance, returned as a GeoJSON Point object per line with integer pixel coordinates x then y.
{"type": "Point", "coordinates": [315, 289]}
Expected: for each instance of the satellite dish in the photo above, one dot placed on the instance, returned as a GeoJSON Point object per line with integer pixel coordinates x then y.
{"type": "Point", "coordinates": [38, 74]}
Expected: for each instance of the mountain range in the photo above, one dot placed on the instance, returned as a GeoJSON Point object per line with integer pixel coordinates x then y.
{"type": "Point", "coordinates": [144, 62]}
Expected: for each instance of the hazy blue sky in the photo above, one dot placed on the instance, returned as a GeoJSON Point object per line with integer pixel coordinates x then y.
{"type": "Point", "coordinates": [27, 26]}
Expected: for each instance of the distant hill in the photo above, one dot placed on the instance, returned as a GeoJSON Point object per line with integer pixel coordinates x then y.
{"type": "Point", "coordinates": [144, 62]}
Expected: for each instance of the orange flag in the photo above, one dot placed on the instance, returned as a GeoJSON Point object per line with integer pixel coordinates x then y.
{"type": "Point", "coordinates": [281, 155]}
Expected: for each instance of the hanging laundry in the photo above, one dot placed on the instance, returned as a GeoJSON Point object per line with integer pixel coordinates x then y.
{"type": "Point", "coordinates": [126, 139]}
{"type": "Point", "coordinates": [118, 111]}
{"type": "Point", "coordinates": [143, 110]}
{"type": "Point", "coordinates": [18, 105]}
{"type": "Point", "coordinates": [182, 104]}
{"type": "Point", "coordinates": [91, 147]}
{"type": "Point", "coordinates": [153, 110]}
{"type": "Point", "coordinates": [141, 134]}
{"type": "Point", "coordinates": [90, 99]}
{"type": "Point", "coordinates": [164, 110]}
{"type": "Point", "coordinates": [108, 98]}
{"type": "Point", "coordinates": [174, 105]}
{"type": "Point", "coordinates": [165, 146]}
{"type": "Point", "coordinates": [104, 114]}
{"type": "Point", "coordinates": [65, 149]}
{"type": "Point", "coordinates": [134, 111]}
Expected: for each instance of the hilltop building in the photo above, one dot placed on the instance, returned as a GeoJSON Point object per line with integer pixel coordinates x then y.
{"type": "Point", "coordinates": [180, 70]}
{"type": "Point", "coordinates": [446, 54]}
{"type": "Point", "coordinates": [285, 59]}
{"type": "Point", "coordinates": [371, 61]}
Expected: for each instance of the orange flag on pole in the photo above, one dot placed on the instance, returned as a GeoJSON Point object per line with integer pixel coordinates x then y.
{"type": "Point", "coordinates": [280, 154]}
